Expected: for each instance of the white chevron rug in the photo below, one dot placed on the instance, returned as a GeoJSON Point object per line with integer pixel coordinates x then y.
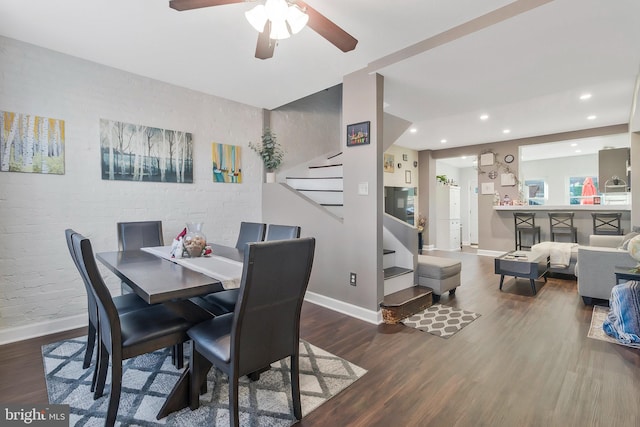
{"type": "Point", "coordinates": [148, 379]}
{"type": "Point", "coordinates": [441, 320]}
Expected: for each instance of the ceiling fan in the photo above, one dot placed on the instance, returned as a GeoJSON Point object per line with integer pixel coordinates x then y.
{"type": "Point", "coordinates": [266, 43]}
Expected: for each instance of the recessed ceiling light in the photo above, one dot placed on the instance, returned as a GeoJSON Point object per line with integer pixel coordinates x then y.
{"type": "Point", "coordinates": [506, 131]}
{"type": "Point", "coordinates": [575, 144]}
{"type": "Point", "coordinates": [443, 141]}
{"type": "Point", "coordinates": [585, 96]}
{"type": "Point", "coordinates": [484, 117]}
{"type": "Point", "coordinates": [591, 117]}
{"type": "Point", "coordinates": [578, 151]}
{"type": "Point", "coordinates": [464, 157]}
{"type": "Point", "coordinates": [413, 130]}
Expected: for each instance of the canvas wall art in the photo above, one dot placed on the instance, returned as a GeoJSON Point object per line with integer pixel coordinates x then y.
{"type": "Point", "coordinates": [226, 163]}
{"type": "Point", "coordinates": [358, 134]}
{"type": "Point", "coordinates": [31, 144]}
{"type": "Point", "coordinates": [143, 153]}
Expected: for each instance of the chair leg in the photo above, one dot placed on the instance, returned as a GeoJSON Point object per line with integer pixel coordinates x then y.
{"type": "Point", "coordinates": [178, 349]}
{"type": "Point", "coordinates": [116, 388]}
{"type": "Point", "coordinates": [102, 371]}
{"type": "Point", "coordinates": [195, 377]}
{"type": "Point", "coordinates": [234, 414]}
{"type": "Point", "coordinates": [91, 343]}
{"type": "Point", "coordinates": [96, 368]}
{"type": "Point", "coordinates": [295, 386]}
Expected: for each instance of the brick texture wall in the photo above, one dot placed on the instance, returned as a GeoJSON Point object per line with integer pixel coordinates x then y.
{"type": "Point", "coordinates": [38, 281]}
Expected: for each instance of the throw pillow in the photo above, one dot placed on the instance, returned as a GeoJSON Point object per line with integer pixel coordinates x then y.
{"type": "Point", "coordinates": [626, 239]}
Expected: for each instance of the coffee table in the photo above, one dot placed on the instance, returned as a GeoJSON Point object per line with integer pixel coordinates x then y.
{"type": "Point", "coordinates": [530, 265]}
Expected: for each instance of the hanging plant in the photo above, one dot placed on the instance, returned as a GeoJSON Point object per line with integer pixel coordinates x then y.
{"type": "Point", "coordinates": [270, 151]}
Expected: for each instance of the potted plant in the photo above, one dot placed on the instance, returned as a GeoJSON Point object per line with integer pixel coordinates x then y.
{"type": "Point", "coordinates": [271, 152]}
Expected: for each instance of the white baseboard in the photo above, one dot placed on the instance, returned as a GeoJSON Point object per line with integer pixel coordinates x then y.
{"type": "Point", "coordinates": [344, 308]}
{"type": "Point", "coordinates": [486, 252]}
{"type": "Point", "coordinates": [34, 330]}
{"type": "Point", "coordinates": [79, 321]}
{"type": "Point", "coordinates": [428, 247]}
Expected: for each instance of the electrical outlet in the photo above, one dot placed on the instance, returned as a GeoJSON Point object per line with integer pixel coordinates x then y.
{"type": "Point", "coordinates": [352, 279]}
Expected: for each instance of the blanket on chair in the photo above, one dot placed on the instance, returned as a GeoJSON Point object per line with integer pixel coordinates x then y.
{"type": "Point", "coordinates": [559, 252]}
{"type": "Point", "coordinates": [623, 321]}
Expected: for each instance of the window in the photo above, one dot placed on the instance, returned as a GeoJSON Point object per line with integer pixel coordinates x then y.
{"type": "Point", "coordinates": [581, 191]}
{"type": "Point", "coordinates": [536, 191]}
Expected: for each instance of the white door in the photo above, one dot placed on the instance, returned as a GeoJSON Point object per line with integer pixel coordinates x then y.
{"type": "Point", "coordinates": [473, 212]}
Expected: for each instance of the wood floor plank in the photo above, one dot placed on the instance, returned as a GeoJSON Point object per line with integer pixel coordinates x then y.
{"type": "Point", "coordinates": [526, 361]}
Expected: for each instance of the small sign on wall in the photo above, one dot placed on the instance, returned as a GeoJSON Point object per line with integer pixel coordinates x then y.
{"type": "Point", "coordinates": [507, 180]}
{"type": "Point", "coordinates": [487, 188]}
{"type": "Point", "coordinates": [486, 159]}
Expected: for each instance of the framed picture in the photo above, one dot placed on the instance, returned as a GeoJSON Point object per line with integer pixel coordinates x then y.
{"type": "Point", "coordinates": [358, 134]}
{"type": "Point", "coordinates": [388, 163]}
{"type": "Point", "coordinates": [405, 157]}
{"type": "Point", "coordinates": [487, 188]}
{"type": "Point", "coordinates": [486, 159]}
{"type": "Point", "coordinates": [407, 177]}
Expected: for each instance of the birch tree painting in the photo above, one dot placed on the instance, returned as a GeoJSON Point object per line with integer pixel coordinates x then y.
{"type": "Point", "coordinates": [142, 153]}
{"type": "Point", "coordinates": [31, 144]}
{"type": "Point", "coordinates": [226, 163]}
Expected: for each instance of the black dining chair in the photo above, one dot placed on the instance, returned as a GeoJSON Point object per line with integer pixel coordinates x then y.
{"type": "Point", "coordinates": [282, 232]}
{"type": "Point", "coordinates": [138, 234]}
{"type": "Point", "coordinates": [225, 301]}
{"type": "Point", "coordinates": [122, 303]}
{"type": "Point", "coordinates": [250, 232]}
{"type": "Point", "coordinates": [123, 336]}
{"type": "Point", "coordinates": [264, 328]}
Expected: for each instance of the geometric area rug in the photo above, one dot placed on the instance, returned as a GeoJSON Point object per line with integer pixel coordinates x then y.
{"type": "Point", "coordinates": [595, 329]}
{"type": "Point", "coordinates": [441, 320]}
{"type": "Point", "coordinates": [148, 379]}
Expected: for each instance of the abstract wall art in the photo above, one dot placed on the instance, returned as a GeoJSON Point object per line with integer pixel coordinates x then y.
{"type": "Point", "coordinates": [143, 153]}
{"type": "Point", "coordinates": [31, 144]}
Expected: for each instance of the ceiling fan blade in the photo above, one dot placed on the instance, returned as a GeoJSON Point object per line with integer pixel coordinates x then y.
{"type": "Point", "coordinates": [327, 29]}
{"type": "Point", "coordinates": [265, 46]}
{"type": "Point", "coordinates": [196, 4]}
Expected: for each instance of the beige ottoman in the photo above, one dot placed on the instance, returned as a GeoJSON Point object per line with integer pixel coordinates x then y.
{"type": "Point", "coordinates": [439, 274]}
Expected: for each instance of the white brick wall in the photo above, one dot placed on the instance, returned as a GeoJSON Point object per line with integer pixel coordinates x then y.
{"type": "Point", "coordinates": [38, 281]}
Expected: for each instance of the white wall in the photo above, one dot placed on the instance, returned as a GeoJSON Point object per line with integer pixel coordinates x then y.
{"type": "Point", "coordinates": [556, 173]}
{"type": "Point", "coordinates": [38, 281]}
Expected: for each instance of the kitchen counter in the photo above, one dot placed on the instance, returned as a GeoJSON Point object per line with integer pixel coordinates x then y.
{"type": "Point", "coordinates": [545, 208]}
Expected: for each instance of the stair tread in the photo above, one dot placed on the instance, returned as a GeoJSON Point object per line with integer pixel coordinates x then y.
{"type": "Point", "coordinates": [331, 204]}
{"type": "Point", "coordinates": [325, 166]}
{"type": "Point", "coordinates": [396, 271]}
{"type": "Point", "coordinates": [388, 251]}
{"type": "Point", "coordinates": [334, 155]}
{"type": "Point", "coordinates": [404, 296]}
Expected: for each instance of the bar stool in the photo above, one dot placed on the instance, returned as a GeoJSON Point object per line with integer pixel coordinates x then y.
{"type": "Point", "coordinates": [607, 223]}
{"type": "Point", "coordinates": [525, 222]}
{"type": "Point", "coordinates": [562, 223]}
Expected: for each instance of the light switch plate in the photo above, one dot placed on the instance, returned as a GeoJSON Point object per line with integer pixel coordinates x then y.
{"type": "Point", "coordinates": [363, 189]}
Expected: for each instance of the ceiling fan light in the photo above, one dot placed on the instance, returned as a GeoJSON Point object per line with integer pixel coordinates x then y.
{"type": "Point", "coordinates": [279, 30]}
{"type": "Point", "coordinates": [257, 17]}
{"type": "Point", "coordinates": [276, 10]}
{"type": "Point", "coordinates": [297, 19]}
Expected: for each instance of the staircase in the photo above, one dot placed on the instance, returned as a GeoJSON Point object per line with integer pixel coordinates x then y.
{"type": "Point", "coordinates": [402, 298]}
{"type": "Point", "coordinates": [322, 182]}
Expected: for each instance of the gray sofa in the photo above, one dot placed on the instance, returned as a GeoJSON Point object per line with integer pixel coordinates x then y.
{"type": "Point", "coordinates": [596, 265]}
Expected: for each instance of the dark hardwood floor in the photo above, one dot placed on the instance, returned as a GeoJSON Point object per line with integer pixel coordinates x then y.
{"type": "Point", "coordinates": [526, 361]}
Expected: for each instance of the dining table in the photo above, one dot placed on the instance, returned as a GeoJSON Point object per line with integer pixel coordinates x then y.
{"type": "Point", "coordinates": [158, 278]}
